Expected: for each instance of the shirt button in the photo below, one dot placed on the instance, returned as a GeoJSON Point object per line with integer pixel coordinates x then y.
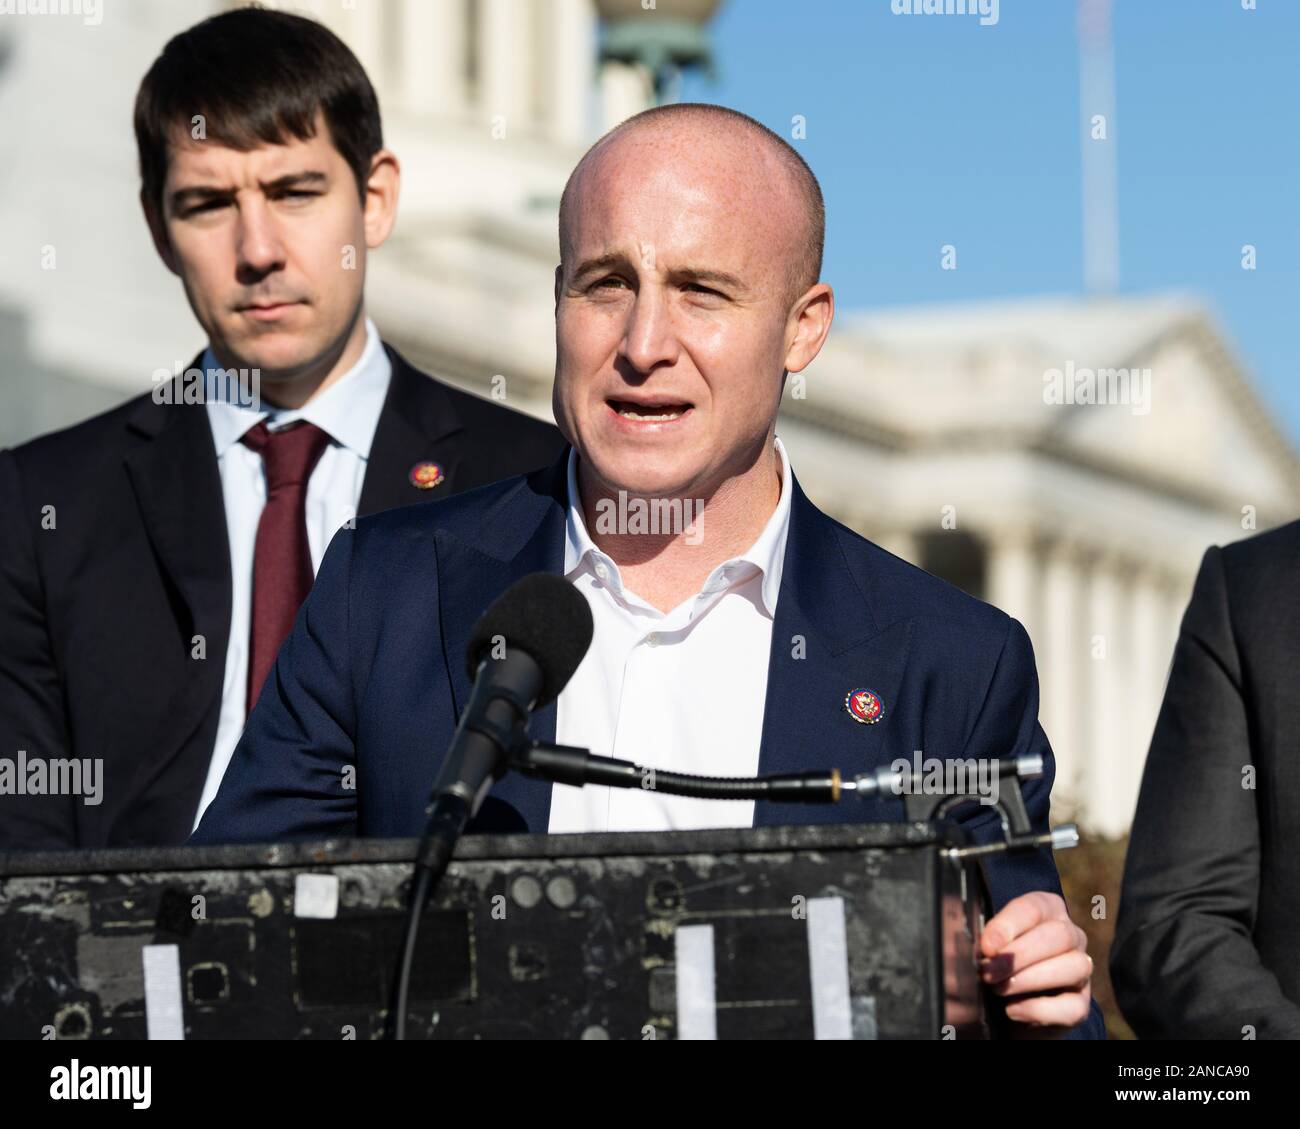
{"type": "Point", "coordinates": [602, 572]}
{"type": "Point", "coordinates": [652, 639]}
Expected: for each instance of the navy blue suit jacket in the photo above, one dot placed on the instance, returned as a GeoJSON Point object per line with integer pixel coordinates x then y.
{"type": "Point", "coordinates": [348, 733]}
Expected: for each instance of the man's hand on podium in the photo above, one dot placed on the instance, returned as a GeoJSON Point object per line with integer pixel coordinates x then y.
{"type": "Point", "coordinates": [1037, 958]}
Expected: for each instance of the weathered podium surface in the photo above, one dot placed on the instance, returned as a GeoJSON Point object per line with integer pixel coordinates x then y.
{"type": "Point", "coordinates": [862, 932]}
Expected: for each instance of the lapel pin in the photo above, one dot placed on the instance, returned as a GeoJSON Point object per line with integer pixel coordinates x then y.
{"type": "Point", "coordinates": [864, 706]}
{"type": "Point", "coordinates": [425, 476]}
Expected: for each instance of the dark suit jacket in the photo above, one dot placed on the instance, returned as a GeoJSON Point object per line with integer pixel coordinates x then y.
{"type": "Point", "coordinates": [1209, 920]}
{"type": "Point", "coordinates": [372, 678]}
{"type": "Point", "coordinates": [97, 614]}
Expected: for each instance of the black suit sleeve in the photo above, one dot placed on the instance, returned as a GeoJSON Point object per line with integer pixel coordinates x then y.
{"type": "Point", "coordinates": [1183, 963]}
{"type": "Point", "coordinates": [31, 693]}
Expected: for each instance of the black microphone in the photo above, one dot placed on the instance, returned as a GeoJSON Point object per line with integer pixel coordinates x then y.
{"type": "Point", "coordinates": [522, 653]}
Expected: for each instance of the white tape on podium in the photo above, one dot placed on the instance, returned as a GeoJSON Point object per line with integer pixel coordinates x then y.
{"type": "Point", "coordinates": [163, 1013]}
{"type": "Point", "coordinates": [697, 1012]}
{"type": "Point", "coordinates": [828, 963]}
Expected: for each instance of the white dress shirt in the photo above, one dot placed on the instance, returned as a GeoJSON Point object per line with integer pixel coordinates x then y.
{"type": "Point", "coordinates": [349, 412]}
{"type": "Point", "coordinates": [681, 692]}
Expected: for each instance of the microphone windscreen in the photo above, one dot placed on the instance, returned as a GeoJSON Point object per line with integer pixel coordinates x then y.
{"type": "Point", "coordinates": [544, 616]}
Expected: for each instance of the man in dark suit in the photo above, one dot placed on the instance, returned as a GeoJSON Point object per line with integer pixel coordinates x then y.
{"type": "Point", "coordinates": [153, 558]}
{"type": "Point", "coordinates": [1209, 914]}
{"type": "Point", "coordinates": [760, 637]}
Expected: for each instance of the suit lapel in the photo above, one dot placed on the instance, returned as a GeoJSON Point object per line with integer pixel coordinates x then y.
{"type": "Point", "coordinates": [826, 642]}
{"type": "Point", "coordinates": [417, 424]}
{"type": "Point", "coordinates": [178, 489]}
{"type": "Point", "coordinates": [522, 534]}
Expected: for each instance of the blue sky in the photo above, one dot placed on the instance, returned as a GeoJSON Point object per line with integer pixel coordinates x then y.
{"type": "Point", "coordinates": [926, 130]}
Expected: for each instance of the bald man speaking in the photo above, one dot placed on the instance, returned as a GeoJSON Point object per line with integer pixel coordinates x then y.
{"type": "Point", "coordinates": [754, 635]}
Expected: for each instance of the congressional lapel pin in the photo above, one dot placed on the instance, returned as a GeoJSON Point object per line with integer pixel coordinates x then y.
{"type": "Point", "coordinates": [425, 476]}
{"type": "Point", "coordinates": [864, 706]}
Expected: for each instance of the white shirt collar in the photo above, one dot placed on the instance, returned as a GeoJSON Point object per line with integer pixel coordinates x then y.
{"type": "Point", "coordinates": [348, 410]}
{"type": "Point", "coordinates": [766, 554]}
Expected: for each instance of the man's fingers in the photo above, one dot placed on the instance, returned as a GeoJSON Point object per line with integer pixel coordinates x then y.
{"type": "Point", "coordinates": [1070, 970]}
{"type": "Point", "coordinates": [1019, 916]}
{"type": "Point", "coordinates": [1046, 940]}
{"type": "Point", "coordinates": [1037, 957]}
{"type": "Point", "coordinates": [1068, 1009]}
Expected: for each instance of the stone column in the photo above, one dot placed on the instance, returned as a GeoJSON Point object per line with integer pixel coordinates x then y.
{"type": "Point", "coordinates": [506, 63]}
{"type": "Point", "coordinates": [1108, 802]}
{"type": "Point", "coordinates": [1012, 577]}
{"type": "Point", "coordinates": [1063, 673]}
{"type": "Point", "coordinates": [361, 27]}
{"type": "Point", "coordinates": [570, 69]}
{"type": "Point", "coordinates": [433, 49]}
{"type": "Point", "coordinates": [1153, 648]}
{"type": "Point", "coordinates": [624, 90]}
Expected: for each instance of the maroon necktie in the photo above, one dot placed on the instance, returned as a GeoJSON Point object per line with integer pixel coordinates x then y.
{"type": "Point", "coordinates": [282, 572]}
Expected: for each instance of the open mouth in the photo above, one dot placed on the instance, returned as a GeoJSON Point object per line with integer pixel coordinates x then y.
{"type": "Point", "coordinates": [662, 412]}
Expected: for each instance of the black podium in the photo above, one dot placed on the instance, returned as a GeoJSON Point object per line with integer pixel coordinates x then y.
{"type": "Point", "coordinates": [862, 932]}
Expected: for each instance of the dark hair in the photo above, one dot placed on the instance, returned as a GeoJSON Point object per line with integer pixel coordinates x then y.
{"type": "Point", "coordinates": [257, 77]}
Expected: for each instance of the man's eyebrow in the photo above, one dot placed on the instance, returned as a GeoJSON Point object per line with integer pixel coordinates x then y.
{"type": "Point", "coordinates": [702, 275]}
{"type": "Point", "coordinates": [199, 193]}
{"type": "Point", "coordinates": [706, 275]}
{"type": "Point", "coordinates": [600, 262]}
{"type": "Point", "coordinates": [196, 194]}
{"type": "Point", "coordinates": [295, 180]}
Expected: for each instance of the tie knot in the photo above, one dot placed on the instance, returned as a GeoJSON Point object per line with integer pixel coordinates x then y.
{"type": "Point", "coordinates": [288, 455]}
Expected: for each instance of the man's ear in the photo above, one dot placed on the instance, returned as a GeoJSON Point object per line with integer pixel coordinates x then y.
{"type": "Point", "coordinates": [158, 232]}
{"type": "Point", "coordinates": [382, 189]}
{"type": "Point", "coordinates": [810, 323]}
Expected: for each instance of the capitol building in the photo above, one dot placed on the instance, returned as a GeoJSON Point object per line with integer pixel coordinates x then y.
{"type": "Point", "coordinates": [960, 437]}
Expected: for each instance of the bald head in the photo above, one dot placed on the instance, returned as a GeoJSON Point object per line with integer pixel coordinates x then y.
{"type": "Point", "coordinates": [773, 182]}
{"type": "Point", "coordinates": [690, 243]}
